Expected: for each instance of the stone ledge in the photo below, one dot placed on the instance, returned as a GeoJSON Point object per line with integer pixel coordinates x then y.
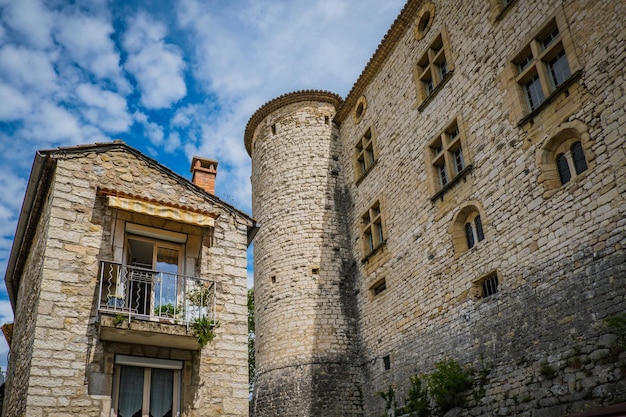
{"type": "Point", "coordinates": [145, 332]}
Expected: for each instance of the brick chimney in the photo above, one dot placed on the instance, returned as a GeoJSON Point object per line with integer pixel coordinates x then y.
{"type": "Point", "coordinates": [204, 172]}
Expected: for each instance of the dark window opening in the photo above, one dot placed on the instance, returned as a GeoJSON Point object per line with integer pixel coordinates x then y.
{"type": "Point", "coordinates": [469, 235]}
{"type": "Point", "coordinates": [479, 228]}
{"type": "Point", "coordinates": [387, 362]}
{"type": "Point", "coordinates": [578, 155]}
{"type": "Point", "coordinates": [563, 168]}
{"type": "Point", "coordinates": [379, 287]}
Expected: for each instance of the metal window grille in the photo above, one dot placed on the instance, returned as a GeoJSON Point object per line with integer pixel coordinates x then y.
{"type": "Point", "coordinates": [490, 286]}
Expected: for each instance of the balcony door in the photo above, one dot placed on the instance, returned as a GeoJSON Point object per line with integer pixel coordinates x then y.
{"type": "Point", "coordinates": [155, 269]}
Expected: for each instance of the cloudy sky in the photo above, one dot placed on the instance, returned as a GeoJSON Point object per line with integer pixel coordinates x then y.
{"type": "Point", "coordinates": [171, 78]}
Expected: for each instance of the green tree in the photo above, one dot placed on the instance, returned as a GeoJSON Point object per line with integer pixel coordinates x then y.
{"type": "Point", "coordinates": [251, 338]}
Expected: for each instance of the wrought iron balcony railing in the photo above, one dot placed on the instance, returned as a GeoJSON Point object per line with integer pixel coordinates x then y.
{"type": "Point", "coordinates": [146, 294]}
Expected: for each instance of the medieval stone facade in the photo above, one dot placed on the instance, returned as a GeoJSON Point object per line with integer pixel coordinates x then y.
{"type": "Point", "coordinates": [116, 261]}
{"type": "Point", "coordinates": [465, 201]}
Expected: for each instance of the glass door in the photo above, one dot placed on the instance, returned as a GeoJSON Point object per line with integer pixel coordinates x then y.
{"type": "Point", "coordinates": [155, 284]}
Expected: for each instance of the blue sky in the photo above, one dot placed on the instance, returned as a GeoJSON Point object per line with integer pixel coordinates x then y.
{"type": "Point", "coordinates": [173, 79]}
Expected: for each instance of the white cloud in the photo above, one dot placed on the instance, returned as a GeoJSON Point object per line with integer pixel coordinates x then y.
{"type": "Point", "coordinates": [14, 105]}
{"type": "Point", "coordinates": [153, 131]}
{"type": "Point", "coordinates": [30, 19]}
{"type": "Point", "coordinates": [51, 123]}
{"type": "Point", "coordinates": [105, 109]}
{"type": "Point", "coordinates": [28, 69]}
{"type": "Point", "coordinates": [172, 143]}
{"type": "Point", "coordinates": [275, 47]}
{"type": "Point", "coordinates": [88, 41]}
{"type": "Point", "coordinates": [157, 66]}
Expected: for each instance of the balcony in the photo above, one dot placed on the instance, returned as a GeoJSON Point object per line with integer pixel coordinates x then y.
{"type": "Point", "coordinates": [146, 306]}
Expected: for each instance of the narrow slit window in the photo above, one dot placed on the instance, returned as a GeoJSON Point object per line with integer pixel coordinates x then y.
{"type": "Point", "coordinates": [469, 235]}
{"type": "Point", "coordinates": [387, 362]}
{"type": "Point", "coordinates": [563, 169]}
{"type": "Point", "coordinates": [578, 155]}
{"type": "Point", "coordinates": [479, 229]}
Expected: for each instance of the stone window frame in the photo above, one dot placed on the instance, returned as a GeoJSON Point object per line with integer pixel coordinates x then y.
{"type": "Point", "coordinates": [561, 142]}
{"type": "Point", "coordinates": [365, 154]}
{"type": "Point", "coordinates": [373, 230]}
{"type": "Point", "coordinates": [148, 364]}
{"type": "Point", "coordinates": [485, 287]}
{"type": "Point", "coordinates": [467, 214]}
{"type": "Point", "coordinates": [360, 109]}
{"type": "Point", "coordinates": [532, 66]}
{"type": "Point", "coordinates": [442, 158]}
{"type": "Point", "coordinates": [499, 8]}
{"type": "Point", "coordinates": [433, 70]}
{"type": "Point", "coordinates": [424, 20]}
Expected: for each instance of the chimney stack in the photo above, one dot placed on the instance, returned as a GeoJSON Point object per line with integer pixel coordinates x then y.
{"type": "Point", "coordinates": [204, 171]}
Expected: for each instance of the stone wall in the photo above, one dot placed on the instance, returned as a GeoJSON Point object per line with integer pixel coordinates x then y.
{"type": "Point", "coordinates": [73, 371]}
{"type": "Point", "coordinates": [559, 256]}
{"type": "Point", "coordinates": [541, 341]}
{"type": "Point", "coordinates": [24, 328]}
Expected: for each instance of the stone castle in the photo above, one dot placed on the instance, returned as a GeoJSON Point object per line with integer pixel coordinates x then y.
{"type": "Point", "coordinates": [466, 201]}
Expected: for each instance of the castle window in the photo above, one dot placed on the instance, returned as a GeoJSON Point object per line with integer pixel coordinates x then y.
{"type": "Point", "coordinates": [359, 110]}
{"type": "Point", "coordinates": [485, 286]}
{"type": "Point", "coordinates": [564, 157]}
{"type": "Point", "coordinates": [433, 69]}
{"type": "Point", "coordinates": [379, 287]}
{"type": "Point", "coordinates": [386, 362]}
{"type": "Point", "coordinates": [446, 158]}
{"type": "Point", "coordinates": [372, 229]}
{"type": "Point", "coordinates": [365, 155]}
{"type": "Point", "coordinates": [474, 231]}
{"type": "Point", "coordinates": [563, 168]}
{"type": "Point", "coordinates": [424, 19]}
{"type": "Point", "coordinates": [467, 228]}
{"type": "Point", "coordinates": [543, 66]}
{"type": "Point", "coordinates": [575, 158]}
{"type": "Point", "coordinates": [578, 155]}
{"type": "Point", "coordinates": [499, 7]}
{"type": "Point", "coordinates": [489, 286]}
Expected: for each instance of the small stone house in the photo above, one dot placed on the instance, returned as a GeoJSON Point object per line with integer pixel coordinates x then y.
{"type": "Point", "coordinates": [128, 284]}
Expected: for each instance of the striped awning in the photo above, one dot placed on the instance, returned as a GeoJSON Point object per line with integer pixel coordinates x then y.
{"type": "Point", "coordinates": [155, 209]}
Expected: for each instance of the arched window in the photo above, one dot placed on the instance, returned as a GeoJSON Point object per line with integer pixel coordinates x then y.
{"type": "Point", "coordinates": [474, 232]}
{"type": "Point", "coordinates": [467, 227]}
{"type": "Point", "coordinates": [564, 156]}
{"type": "Point", "coordinates": [563, 168]}
{"type": "Point", "coordinates": [578, 155]}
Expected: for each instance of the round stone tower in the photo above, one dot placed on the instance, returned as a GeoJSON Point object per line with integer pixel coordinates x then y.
{"type": "Point", "coordinates": [305, 316]}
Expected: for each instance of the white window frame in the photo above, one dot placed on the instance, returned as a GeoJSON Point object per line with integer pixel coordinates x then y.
{"type": "Point", "coordinates": [147, 364]}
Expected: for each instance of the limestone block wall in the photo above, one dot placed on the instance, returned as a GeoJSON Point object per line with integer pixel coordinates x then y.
{"type": "Point", "coordinates": [305, 340]}
{"type": "Point", "coordinates": [71, 371]}
{"type": "Point", "coordinates": [19, 372]}
{"type": "Point", "coordinates": [559, 258]}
